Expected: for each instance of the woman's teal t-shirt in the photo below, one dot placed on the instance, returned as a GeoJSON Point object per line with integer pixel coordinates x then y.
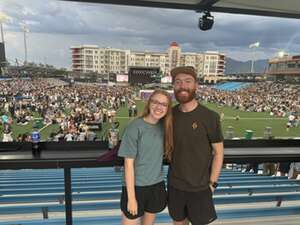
{"type": "Point", "coordinates": [144, 142]}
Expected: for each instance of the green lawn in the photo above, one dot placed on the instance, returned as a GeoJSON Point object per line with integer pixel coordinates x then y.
{"type": "Point", "coordinates": [248, 121]}
{"type": "Point", "coordinates": [254, 121]}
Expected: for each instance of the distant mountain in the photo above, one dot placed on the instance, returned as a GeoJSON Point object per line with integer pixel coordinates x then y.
{"type": "Point", "coordinates": [235, 66]}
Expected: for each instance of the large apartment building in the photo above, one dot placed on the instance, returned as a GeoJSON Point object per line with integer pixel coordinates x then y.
{"type": "Point", "coordinates": [284, 67]}
{"type": "Point", "coordinates": [149, 59]}
{"type": "Point", "coordinates": [91, 58]}
{"type": "Point", "coordinates": [210, 66]}
{"type": "Point", "coordinates": [213, 66]}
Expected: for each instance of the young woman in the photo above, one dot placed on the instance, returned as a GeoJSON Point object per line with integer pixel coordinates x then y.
{"type": "Point", "coordinates": [143, 144]}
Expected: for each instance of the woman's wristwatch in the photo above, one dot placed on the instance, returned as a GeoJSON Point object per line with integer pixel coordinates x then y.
{"type": "Point", "coordinates": [214, 184]}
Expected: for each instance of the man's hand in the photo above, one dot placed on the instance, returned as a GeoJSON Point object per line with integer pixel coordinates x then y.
{"type": "Point", "coordinates": [211, 188]}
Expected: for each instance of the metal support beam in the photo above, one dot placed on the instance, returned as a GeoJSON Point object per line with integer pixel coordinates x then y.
{"type": "Point", "coordinates": [196, 7]}
{"type": "Point", "coordinates": [68, 196]}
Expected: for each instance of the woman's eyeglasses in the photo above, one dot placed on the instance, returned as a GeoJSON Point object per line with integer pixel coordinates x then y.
{"type": "Point", "coordinates": [158, 103]}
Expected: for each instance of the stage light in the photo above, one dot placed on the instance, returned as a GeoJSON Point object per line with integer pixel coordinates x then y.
{"type": "Point", "coordinates": [206, 21]}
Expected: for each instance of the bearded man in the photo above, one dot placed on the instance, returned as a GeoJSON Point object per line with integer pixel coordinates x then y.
{"type": "Point", "coordinates": [197, 157]}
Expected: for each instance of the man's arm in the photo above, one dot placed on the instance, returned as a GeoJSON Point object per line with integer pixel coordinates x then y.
{"type": "Point", "coordinates": [217, 163]}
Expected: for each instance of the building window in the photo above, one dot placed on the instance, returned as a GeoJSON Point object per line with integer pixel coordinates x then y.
{"type": "Point", "coordinates": [291, 65]}
{"type": "Point", "coordinates": [281, 66]}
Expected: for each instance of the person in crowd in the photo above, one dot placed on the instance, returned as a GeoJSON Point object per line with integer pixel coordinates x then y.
{"type": "Point", "coordinates": [253, 167]}
{"type": "Point", "coordinates": [7, 133]}
{"type": "Point", "coordinates": [54, 101]}
{"type": "Point", "coordinates": [294, 170]}
{"type": "Point", "coordinates": [284, 168]}
{"type": "Point", "coordinates": [269, 169]}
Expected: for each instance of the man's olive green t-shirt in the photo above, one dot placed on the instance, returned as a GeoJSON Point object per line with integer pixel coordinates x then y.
{"type": "Point", "coordinates": [144, 142]}
{"type": "Point", "coordinates": [194, 132]}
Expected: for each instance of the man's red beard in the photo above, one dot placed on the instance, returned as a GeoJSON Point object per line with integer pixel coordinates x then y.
{"type": "Point", "coordinates": [186, 98]}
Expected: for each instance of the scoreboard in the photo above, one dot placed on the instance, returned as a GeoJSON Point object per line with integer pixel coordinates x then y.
{"type": "Point", "coordinates": [142, 75]}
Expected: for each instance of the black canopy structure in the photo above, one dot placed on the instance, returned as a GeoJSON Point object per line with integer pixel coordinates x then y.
{"type": "Point", "coordinates": [274, 8]}
{"type": "Point", "coordinates": [16, 155]}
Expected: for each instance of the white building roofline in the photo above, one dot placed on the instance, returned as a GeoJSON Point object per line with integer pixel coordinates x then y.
{"type": "Point", "coordinates": [84, 46]}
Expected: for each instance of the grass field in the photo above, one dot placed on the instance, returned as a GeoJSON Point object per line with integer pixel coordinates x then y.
{"type": "Point", "coordinates": [248, 121]}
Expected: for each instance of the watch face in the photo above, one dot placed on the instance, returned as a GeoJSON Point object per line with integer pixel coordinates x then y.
{"type": "Point", "coordinates": [214, 184]}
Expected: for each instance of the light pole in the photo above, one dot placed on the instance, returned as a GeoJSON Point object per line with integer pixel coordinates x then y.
{"type": "Point", "coordinates": [281, 54]}
{"type": "Point", "coordinates": [2, 34]}
{"type": "Point", "coordinates": [253, 46]}
{"type": "Point", "coordinates": [3, 19]}
{"type": "Point", "coordinates": [25, 31]}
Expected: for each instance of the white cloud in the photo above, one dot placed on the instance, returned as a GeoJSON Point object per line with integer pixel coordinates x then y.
{"type": "Point", "coordinates": [56, 25]}
{"type": "Point", "coordinates": [28, 11]}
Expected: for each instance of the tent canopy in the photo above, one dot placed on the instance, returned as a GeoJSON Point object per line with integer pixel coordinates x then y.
{"type": "Point", "coordinates": [275, 8]}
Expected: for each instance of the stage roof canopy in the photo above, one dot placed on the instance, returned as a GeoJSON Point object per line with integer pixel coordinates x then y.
{"type": "Point", "coordinates": [276, 8]}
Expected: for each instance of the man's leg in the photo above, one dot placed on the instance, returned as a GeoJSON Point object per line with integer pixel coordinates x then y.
{"type": "Point", "coordinates": [200, 207]}
{"type": "Point", "coordinates": [177, 206]}
{"type": "Point", "coordinates": [183, 222]}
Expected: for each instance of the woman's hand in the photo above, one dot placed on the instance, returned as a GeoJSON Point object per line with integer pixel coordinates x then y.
{"type": "Point", "coordinates": [132, 207]}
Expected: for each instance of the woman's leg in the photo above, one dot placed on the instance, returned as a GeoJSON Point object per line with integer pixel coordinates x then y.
{"type": "Point", "coordinates": [126, 221]}
{"type": "Point", "coordinates": [184, 222]}
{"type": "Point", "coordinates": [148, 218]}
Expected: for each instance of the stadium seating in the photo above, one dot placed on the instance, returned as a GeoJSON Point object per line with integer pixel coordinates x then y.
{"type": "Point", "coordinates": [230, 86]}
{"type": "Point", "coordinates": [41, 192]}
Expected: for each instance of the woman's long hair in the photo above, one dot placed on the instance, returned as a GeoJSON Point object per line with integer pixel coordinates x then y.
{"type": "Point", "coordinates": [167, 120]}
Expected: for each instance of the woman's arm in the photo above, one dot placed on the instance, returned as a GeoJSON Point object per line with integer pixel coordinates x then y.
{"type": "Point", "coordinates": [130, 184]}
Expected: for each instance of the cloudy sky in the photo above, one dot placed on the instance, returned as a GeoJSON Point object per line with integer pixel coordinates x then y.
{"type": "Point", "coordinates": [55, 25]}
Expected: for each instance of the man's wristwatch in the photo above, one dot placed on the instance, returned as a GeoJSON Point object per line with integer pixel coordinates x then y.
{"type": "Point", "coordinates": [214, 184]}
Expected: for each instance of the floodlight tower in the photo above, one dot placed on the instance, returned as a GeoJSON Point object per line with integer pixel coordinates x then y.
{"type": "Point", "coordinates": [253, 46]}
{"type": "Point", "coordinates": [3, 19]}
{"type": "Point", "coordinates": [25, 31]}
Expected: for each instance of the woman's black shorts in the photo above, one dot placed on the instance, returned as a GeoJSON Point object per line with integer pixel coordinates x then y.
{"type": "Point", "coordinates": [152, 199]}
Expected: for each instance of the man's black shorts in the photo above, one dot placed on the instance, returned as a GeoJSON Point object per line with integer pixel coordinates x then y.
{"type": "Point", "coordinates": [152, 199]}
{"type": "Point", "coordinates": [198, 207]}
